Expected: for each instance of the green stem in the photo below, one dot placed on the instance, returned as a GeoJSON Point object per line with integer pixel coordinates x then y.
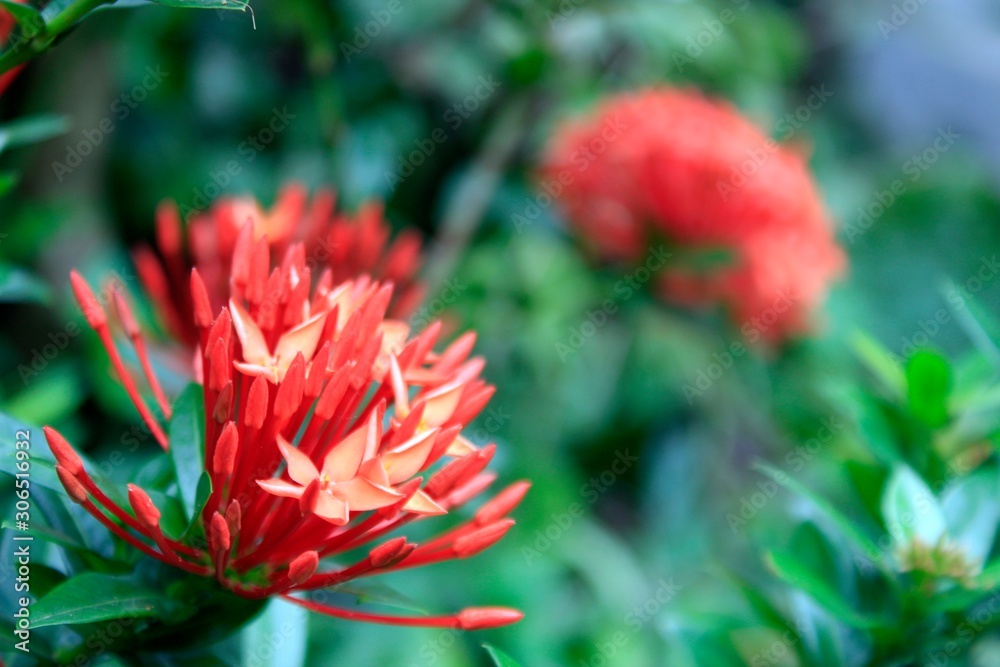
{"type": "Point", "coordinates": [47, 34]}
{"type": "Point", "coordinates": [475, 191]}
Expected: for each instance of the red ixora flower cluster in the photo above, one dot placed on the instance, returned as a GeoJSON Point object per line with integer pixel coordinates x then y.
{"type": "Point", "coordinates": [322, 420]}
{"type": "Point", "coordinates": [220, 243]}
{"type": "Point", "coordinates": [673, 165]}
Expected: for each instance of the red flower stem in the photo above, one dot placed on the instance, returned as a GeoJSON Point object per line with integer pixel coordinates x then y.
{"type": "Point", "coordinates": [135, 542]}
{"type": "Point", "coordinates": [147, 369]}
{"type": "Point", "coordinates": [336, 612]}
{"type": "Point", "coordinates": [129, 385]}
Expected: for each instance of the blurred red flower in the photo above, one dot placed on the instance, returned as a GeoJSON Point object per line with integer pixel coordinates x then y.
{"type": "Point", "coordinates": [322, 418]}
{"type": "Point", "coordinates": [673, 165]}
{"type": "Point", "coordinates": [7, 24]}
{"type": "Point", "coordinates": [218, 243]}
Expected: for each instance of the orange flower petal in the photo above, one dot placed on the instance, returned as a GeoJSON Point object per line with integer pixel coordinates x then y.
{"type": "Point", "coordinates": [441, 403]}
{"type": "Point", "coordinates": [421, 503]}
{"type": "Point", "coordinates": [304, 338]}
{"type": "Point", "coordinates": [280, 487]}
{"type": "Point", "coordinates": [405, 461]}
{"type": "Point", "coordinates": [255, 350]}
{"type": "Point", "coordinates": [300, 467]}
{"type": "Point", "coordinates": [361, 495]}
{"type": "Point", "coordinates": [331, 509]}
{"type": "Point", "coordinates": [344, 460]}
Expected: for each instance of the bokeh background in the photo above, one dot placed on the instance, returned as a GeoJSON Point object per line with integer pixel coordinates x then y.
{"type": "Point", "coordinates": [628, 531]}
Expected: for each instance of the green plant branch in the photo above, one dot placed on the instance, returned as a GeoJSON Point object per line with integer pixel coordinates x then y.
{"type": "Point", "coordinates": [476, 190]}
{"type": "Point", "coordinates": [44, 35]}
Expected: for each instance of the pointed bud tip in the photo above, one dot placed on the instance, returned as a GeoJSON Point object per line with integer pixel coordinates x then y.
{"type": "Point", "coordinates": [92, 310]}
{"type": "Point", "coordinates": [303, 566]}
{"type": "Point", "coordinates": [202, 304]}
{"type": "Point", "coordinates": [388, 553]}
{"type": "Point", "coordinates": [142, 505]}
{"type": "Point", "coordinates": [481, 539]}
{"type": "Point", "coordinates": [482, 618]}
{"type": "Point", "coordinates": [234, 516]}
{"type": "Point", "coordinates": [65, 455]}
{"type": "Point", "coordinates": [219, 533]}
{"type": "Point", "coordinates": [224, 457]}
{"type": "Point", "coordinates": [503, 503]}
{"type": "Point", "coordinates": [125, 315]}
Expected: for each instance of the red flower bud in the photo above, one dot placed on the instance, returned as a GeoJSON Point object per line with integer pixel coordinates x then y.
{"type": "Point", "coordinates": [76, 490]}
{"type": "Point", "coordinates": [65, 455]}
{"type": "Point", "coordinates": [142, 505]}
{"type": "Point", "coordinates": [303, 567]}
{"type": "Point", "coordinates": [482, 618]}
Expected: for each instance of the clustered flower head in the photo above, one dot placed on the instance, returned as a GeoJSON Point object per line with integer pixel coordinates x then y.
{"type": "Point", "coordinates": [327, 428]}
{"type": "Point", "coordinates": [673, 165]}
{"type": "Point", "coordinates": [220, 242]}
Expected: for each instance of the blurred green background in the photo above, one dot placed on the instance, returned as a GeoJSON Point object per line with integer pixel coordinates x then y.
{"type": "Point", "coordinates": [625, 548]}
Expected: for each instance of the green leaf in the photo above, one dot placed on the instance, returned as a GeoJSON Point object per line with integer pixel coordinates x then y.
{"type": "Point", "coordinates": [47, 534]}
{"type": "Point", "coordinates": [972, 508]}
{"type": "Point", "coordinates": [8, 179]}
{"type": "Point", "coordinates": [43, 467]}
{"type": "Point", "coordinates": [26, 16]}
{"type": "Point", "coordinates": [32, 130]}
{"type": "Point", "coordinates": [60, 394]}
{"type": "Point", "coordinates": [187, 446]}
{"type": "Point", "coordinates": [910, 509]}
{"type": "Point", "coordinates": [879, 361]}
{"type": "Point", "coordinates": [19, 286]}
{"type": "Point", "coordinates": [173, 520]}
{"type": "Point", "coordinates": [202, 492]}
{"type": "Point", "coordinates": [928, 385]}
{"type": "Point", "coordinates": [238, 5]}
{"type": "Point", "coordinates": [374, 591]}
{"type": "Point", "coordinates": [280, 618]}
{"type": "Point", "coordinates": [845, 525]}
{"type": "Point", "coordinates": [94, 597]}
{"type": "Point", "coordinates": [500, 659]}
{"type": "Point", "coordinates": [793, 572]}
